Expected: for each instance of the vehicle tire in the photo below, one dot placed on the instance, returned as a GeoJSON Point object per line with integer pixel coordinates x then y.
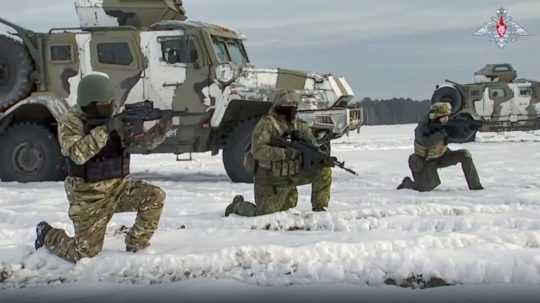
{"type": "Point", "coordinates": [448, 92]}
{"type": "Point", "coordinates": [464, 134]}
{"type": "Point", "coordinates": [238, 143]}
{"type": "Point", "coordinates": [15, 72]}
{"type": "Point", "coordinates": [30, 153]}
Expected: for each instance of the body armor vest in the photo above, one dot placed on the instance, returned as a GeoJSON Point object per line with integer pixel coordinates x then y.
{"type": "Point", "coordinates": [435, 152]}
{"type": "Point", "coordinates": [110, 163]}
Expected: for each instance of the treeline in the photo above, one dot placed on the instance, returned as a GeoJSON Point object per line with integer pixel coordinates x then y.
{"type": "Point", "coordinates": [393, 111]}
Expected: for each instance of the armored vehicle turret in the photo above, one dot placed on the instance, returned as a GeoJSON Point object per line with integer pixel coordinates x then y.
{"type": "Point", "coordinates": [138, 13]}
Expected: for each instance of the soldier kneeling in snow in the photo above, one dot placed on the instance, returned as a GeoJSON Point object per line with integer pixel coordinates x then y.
{"type": "Point", "coordinates": [431, 153]}
{"type": "Point", "coordinates": [278, 171]}
{"type": "Point", "coordinates": [96, 186]}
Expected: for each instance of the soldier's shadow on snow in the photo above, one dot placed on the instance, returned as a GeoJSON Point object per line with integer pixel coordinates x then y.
{"type": "Point", "coordinates": [182, 177]}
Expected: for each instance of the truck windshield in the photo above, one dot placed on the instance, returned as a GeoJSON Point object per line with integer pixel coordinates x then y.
{"type": "Point", "coordinates": [230, 50]}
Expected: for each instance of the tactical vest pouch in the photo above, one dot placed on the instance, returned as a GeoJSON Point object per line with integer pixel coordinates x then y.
{"type": "Point", "coordinates": [431, 153]}
{"type": "Point", "coordinates": [100, 170]}
{"type": "Point", "coordinates": [286, 168]}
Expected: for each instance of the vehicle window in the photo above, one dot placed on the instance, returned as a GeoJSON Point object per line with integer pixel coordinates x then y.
{"type": "Point", "coordinates": [178, 49]}
{"type": "Point", "coordinates": [502, 68]}
{"type": "Point", "coordinates": [221, 51]}
{"type": "Point", "coordinates": [497, 93]}
{"type": "Point", "coordinates": [117, 53]}
{"type": "Point", "coordinates": [526, 92]}
{"type": "Point", "coordinates": [61, 53]}
{"type": "Point", "coordinates": [237, 53]}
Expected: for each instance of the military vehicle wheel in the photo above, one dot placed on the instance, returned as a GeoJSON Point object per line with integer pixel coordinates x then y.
{"type": "Point", "coordinates": [15, 72]}
{"type": "Point", "coordinates": [463, 134]}
{"type": "Point", "coordinates": [30, 153]}
{"type": "Point", "coordinates": [448, 93]}
{"type": "Point", "coordinates": [238, 144]}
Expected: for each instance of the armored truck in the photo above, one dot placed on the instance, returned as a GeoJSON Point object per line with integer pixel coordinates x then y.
{"type": "Point", "coordinates": [154, 53]}
{"type": "Point", "coordinates": [497, 99]}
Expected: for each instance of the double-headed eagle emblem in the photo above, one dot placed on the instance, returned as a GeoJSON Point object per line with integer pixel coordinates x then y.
{"type": "Point", "coordinates": [502, 29]}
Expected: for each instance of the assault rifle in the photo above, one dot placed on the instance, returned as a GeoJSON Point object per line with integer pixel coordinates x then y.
{"type": "Point", "coordinates": [134, 116]}
{"type": "Point", "coordinates": [312, 155]}
{"type": "Point", "coordinates": [458, 128]}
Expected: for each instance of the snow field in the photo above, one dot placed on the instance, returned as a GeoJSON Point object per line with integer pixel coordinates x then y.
{"type": "Point", "coordinates": [371, 233]}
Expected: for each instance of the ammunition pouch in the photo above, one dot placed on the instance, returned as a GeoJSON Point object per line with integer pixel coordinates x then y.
{"type": "Point", "coordinates": [286, 168]}
{"type": "Point", "coordinates": [100, 169]}
{"type": "Point", "coordinates": [283, 168]}
{"type": "Point", "coordinates": [434, 152]}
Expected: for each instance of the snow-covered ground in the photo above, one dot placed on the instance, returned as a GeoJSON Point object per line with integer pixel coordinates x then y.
{"type": "Point", "coordinates": [371, 235]}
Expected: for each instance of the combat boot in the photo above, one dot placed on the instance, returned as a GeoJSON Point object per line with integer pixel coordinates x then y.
{"type": "Point", "coordinates": [133, 249]}
{"type": "Point", "coordinates": [232, 207]}
{"type": "Point", "coordinates": [407, 183]}
{"type": "Point", "coordinates": [42, 229]}
{"type": "Point", "coordinates": [319, 209]}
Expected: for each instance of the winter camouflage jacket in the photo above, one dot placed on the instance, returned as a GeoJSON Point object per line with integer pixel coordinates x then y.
{"type": "Point", "coordinates": [80, 146]}
{"type": "Point", "coordinates": [281, 162]}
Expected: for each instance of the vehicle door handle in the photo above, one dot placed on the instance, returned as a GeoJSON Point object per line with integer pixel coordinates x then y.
{"type": "Point", "coordinates": [172, 84]}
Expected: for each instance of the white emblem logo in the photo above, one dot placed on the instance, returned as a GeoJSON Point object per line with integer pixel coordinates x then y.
{"type": "Point", "coordinates": [502, 29]}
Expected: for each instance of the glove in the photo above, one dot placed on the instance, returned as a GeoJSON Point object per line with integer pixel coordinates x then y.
{"type": "Point", "coordinates": [115, 124]}
{"type": "Point", "coordinates": [329, 162]}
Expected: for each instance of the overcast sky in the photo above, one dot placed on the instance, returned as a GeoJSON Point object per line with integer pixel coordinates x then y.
{"type": "Point", "coordinates": [385, 48]}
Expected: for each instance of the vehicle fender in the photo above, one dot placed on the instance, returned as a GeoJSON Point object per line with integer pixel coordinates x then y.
{"type": "Point", "coordinates": [55, 106]}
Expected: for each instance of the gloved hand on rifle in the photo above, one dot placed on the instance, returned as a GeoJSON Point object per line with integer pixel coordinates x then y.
{"type": "Point", "coordinates": [329, 162]}
{"type": "Point", "coordinates": [115, 124]}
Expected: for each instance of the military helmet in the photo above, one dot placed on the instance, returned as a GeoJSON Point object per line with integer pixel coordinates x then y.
{"type": "Point", "coordinates": [95, 87]}
{"type": "Point", "coordinates": [287, 98]}
{"type": "Point", "coordinates": [439, 110]}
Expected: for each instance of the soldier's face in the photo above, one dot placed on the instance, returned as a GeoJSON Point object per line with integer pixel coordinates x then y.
{"type": "Point", "coordinates": [289, 112]}
{"type": "Point", "coordinates": [444, 119]}
{"type": "Point", "coordinates": [99, 110]}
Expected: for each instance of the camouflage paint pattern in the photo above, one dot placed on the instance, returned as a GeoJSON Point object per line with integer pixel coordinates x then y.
{"type": "Point", "coordinates": [59, 72]}
{"type": "Point", "coordinates": [191, 87]}
{"type": "Point", "coordinates": [501, 100]}
{"type": "Point", "coordinates": [144, 13]}
{"type": "Point", "coordinates": [92, 204]}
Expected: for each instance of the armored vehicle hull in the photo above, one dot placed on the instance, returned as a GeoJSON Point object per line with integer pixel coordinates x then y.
{"type": "Point", "coordinates": [497, 99]}
{"type": "Point", "coordinates": [198, 68]}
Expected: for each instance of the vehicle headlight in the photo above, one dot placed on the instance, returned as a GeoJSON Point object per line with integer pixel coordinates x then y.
{"type": "Point", "coordinates": [226, 73]}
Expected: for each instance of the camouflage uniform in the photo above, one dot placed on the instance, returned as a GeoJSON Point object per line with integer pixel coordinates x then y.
{"type": "Point", "coordinates": [92, 204]}
{"type": "Point", "coordinates": [278, 171]}
{"type": "Point", "coordinates": [431, 152]}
